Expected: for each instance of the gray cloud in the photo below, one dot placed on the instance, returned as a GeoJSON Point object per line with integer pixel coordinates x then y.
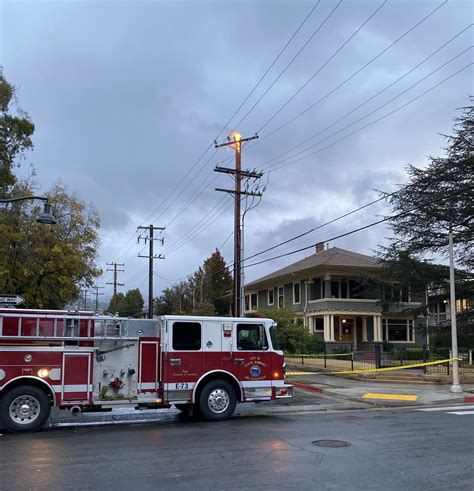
{"type": "Point", "coordinates": [127, 95]}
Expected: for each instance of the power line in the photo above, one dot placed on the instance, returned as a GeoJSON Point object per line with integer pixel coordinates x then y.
{"type": "Point", "coordinates": [226, 240]}
{"type": "Point", "coordinates": [172, 191]}
{"type": "Point", "coordinates": [376, 120]}
{"type": "Point", "coordinates": [362, 117]}
{"type": "Point", "coordinates": [289, 64]}
{"type": "Point", "coordinates": [272, 64]}
{"type": "Point", "coordinates": [354, 74]}
{"type": "Point", "coordinates": [302, 234]}
{"type": "Point", "coordinates": [385, 219]}
{"type": "Point", "coordinates": [338, 50]}
{"type": "Point", "coordinates": [366, 101]}
{"type": "Point", "coordinates": [307, 232]}
{"type": "Point", "coordinates": [211, 217]}
{"type": "Point", "coordinates": [359, 229]}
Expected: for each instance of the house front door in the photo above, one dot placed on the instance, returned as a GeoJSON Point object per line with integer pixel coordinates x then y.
{"type": "Point", "coordinates": [347, 330]}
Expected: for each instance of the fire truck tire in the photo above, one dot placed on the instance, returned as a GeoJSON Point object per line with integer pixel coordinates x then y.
{"type": "Point", "coordinates": [24, 409]}
{"type": "Point", "coordinates": [217, 401]}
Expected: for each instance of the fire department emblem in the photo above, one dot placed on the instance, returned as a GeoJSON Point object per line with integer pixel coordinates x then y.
{"type": "Point", "coordinates": [255, 371]}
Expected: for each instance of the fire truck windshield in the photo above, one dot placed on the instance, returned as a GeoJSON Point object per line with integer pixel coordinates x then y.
{"type": "Point", "coordinates": [273, 336]}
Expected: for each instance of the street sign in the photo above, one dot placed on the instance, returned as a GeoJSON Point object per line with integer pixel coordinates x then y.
{"type": "Point", "coordinates": [6, 299]}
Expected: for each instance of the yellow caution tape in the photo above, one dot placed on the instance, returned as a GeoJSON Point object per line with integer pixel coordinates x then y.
{"type": "Point", "coordinates": [373, 370]}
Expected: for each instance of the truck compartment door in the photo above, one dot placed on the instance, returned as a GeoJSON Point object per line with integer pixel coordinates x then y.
{"type": "Point", "coordinates": [148, 376]}
{"type": "Point", "coordinates": [76, 379]}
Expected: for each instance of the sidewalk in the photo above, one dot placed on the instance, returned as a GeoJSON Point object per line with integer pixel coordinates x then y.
{"type": "Point", "coordinates": [385, 394]}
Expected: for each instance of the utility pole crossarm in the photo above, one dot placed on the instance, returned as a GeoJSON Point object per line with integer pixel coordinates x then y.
{"type": "Point", "coordinates": [233, 191]}
{"type": "Point", "coordinates": [243, 173]}
{"type": "Point", "coordinates": [233, 142]}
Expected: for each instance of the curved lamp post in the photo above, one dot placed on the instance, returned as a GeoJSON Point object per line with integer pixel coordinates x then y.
{"type": "Point", "coordinates": [45, 217]}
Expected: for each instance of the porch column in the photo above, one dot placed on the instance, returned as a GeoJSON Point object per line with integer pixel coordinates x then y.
{"type": "Point", "coordinates": [377, 329]}
{"type": "Point", "coordinates": [326, 328]}
{"type": "Point", "coordinates": [364, 330]}
{"type": "Point", "coordinates": [310, 324]}
{"type": "Point", "coordinates": [331, 328]}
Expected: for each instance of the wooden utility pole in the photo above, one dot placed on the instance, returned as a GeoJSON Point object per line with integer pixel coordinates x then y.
{"type": "Point", "coordinates": [115, 282]}
{"type": "Point", "coordinates": [150, 238]}
{"type": "Point", "coordinates": [236, 142]}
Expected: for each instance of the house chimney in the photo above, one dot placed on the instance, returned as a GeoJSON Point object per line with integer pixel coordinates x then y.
{"type": "Point", "coordinates": [319, 247]}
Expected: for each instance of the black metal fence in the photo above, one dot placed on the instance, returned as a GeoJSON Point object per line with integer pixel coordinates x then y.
{"type": "Point", "coordinates": [350, 360]}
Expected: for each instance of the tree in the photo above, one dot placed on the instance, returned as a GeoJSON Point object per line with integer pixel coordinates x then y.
{"type": "Point", "coordinates": [132, 304]}
{"type": "Point", "coordinates": [163, 305]}
{"type": "Point", "coordinates": [15, 135]}
{"type": "Point", "coordinates": [293, 337]}
{"type": "Point", "coordinates": [46, 264]}
{"type": "Point", "coordinates": [201, 293]}
{"type": "Point", "coordinates": [217, 282]}
{"type": "Point", "coordinates": [436, 198]}
{"type": "Point", "coordinates": [440, 196]}
{"type": "Point", "coordinates": [115, 303]}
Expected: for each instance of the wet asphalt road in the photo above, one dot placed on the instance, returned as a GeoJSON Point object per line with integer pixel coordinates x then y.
{"type": "Point", "coordinates": [389, 449]}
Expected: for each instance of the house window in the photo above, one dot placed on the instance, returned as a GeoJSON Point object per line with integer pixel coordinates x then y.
{"type": "Point", "coordinates": [462, 304]}
{"type": "Point", "coordinates": [251, 302]}
{"type": "Point", "coordinates": [343, 289]}
{"type": "Point", "coordinates": [296, 293]}
{"type": "Point", "coordinates": [271, 297]}
{"type": "Point", "coordinates": [398, 330]}
{"type": "Point", "coordinates": [281, 297]}
{"type": "Point", "coordinates": [334, 289]}
{"type": "Point", "coordinates": [186, 336]}
{"type": "Point", "coordinates": [318, 324]}
{"type": "Point", "coordinates": [315, 289]}
{"type": "Point", "coordinates": [355, 289]}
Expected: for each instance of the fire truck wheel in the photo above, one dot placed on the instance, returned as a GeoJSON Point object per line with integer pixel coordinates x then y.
{"type": "Point", "coordinates": [24, 409]}
{"type": "Point", "coordinates": [217, 401]}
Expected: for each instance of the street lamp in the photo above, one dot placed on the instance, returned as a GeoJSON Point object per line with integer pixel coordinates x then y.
{"type": "Point", "coordinates": [456, 387]}
{"type": "Point", "coordinates": [46, 217]}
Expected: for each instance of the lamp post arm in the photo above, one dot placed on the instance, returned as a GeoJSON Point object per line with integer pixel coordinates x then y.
{"type": "Point", "coordinates": [24, 198]}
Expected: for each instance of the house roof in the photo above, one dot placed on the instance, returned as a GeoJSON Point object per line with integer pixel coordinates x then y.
{"type": "Point", "coordinates": [334, 257]}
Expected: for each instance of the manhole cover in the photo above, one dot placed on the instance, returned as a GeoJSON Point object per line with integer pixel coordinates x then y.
{"type": "Point", "coordinates": [331, 443]}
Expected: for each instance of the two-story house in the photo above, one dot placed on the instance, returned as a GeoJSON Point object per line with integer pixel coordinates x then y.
{"type": "Point", "coordinates": [324, 289]}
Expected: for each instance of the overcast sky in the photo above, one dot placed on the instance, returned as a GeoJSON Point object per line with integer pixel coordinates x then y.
{"type": "Point", "coordinates": [127, 95]}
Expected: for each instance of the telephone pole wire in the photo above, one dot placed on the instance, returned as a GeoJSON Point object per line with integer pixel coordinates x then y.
{"type": "Point", "coordinates": [237, 141]}
{"type": "Point", "coordinates": [115, 282]}
{"type": "Point", "coordinates": [150, 238]}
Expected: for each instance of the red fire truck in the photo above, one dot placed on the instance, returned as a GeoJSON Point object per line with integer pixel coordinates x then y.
{"type": "Point", "coordinates": [83, 362]}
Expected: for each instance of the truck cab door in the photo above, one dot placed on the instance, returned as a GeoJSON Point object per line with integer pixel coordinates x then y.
{"type": "Point", "coordinates": [183, 360]}
{"type": "Point", "coordinates": [252, 359]}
